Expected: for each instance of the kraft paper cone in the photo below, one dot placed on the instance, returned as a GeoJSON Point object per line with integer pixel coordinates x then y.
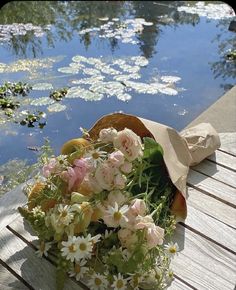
{"type": "Point", "coordinates": [179, 151]}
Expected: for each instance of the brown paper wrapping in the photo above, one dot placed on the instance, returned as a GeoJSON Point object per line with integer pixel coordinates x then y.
{"type": "Point", "coordinates": [180, 151]}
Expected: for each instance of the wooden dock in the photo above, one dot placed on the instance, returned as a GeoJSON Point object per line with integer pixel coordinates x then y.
{"type": "Point", "coordinates": [207, 239]}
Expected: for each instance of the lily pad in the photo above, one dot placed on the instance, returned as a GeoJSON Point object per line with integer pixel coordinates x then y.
{"type": "Point", "coordinates": [170, 79]}
{"type": "Point", "coordinates": [57, 107]}
{"type": "Point", "coordinates": [68, 70]}
{"type": "Point", "coordinates": [42, 86]}
{"type": "Point", "coordinates": [44, 101]}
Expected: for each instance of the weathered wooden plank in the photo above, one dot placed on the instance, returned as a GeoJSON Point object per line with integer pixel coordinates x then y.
{"type": "Point", "coordinates": [223, 159]}
{"type": "Point", "coordinates": [228, 142]}
{"type": "Point", "coordinates": [39, 273]}
{"type": "Point", "coordinates": [9, 203]}
{"type": "Point", "coordinates": [178, 285]}
{"type": "Point", "coordinates": [217, 172]}
{"type": "Point", "coordinates": [9, 282]}
{"type": "Point", "coordinates": [212, 207]}
{"type": "Point", "coordinates": [212, 228]}
{"type": "Point", "coordinates": [212, 186]}
{"type": "Point", "coordinates": [203, 264]}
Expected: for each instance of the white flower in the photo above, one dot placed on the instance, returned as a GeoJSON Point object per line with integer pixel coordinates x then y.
{"type": "Point", "coordinates": [94, 157]}
{"type": "Point", "coordinates": [114, 217]}
{"type": "Point", "coordinates": [37, 211]}
{"type": "Point", "coordinates": [78, 271]}
{"type": "Point", "coordinates": [97, 282]}
{"type": "Point", "coordinates": [119, 282]}
{"type": "Point", "coordinates": [107, 135]}
{"type": "Point", "coordinates": [135, 280]}
{"type": "Point", "coordinates": [171, 249]}
{"type": "Point", "coordinates": [77, 248]}
{"type": "Point", "coordinates": [129, 144]}
{"type": "Point", "coordinates": [43, 249]}
{"type": "Point", "coordinates": [65, 214]}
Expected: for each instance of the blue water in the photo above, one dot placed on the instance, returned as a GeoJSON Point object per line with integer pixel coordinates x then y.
{"type": "Point", "coordinates": [188, 46]}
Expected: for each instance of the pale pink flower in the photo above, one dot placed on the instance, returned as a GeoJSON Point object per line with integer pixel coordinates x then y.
{"type": "Point", "coordinates": [75, 175]}
{"type": "Point", "coordinates": [116, 196]}
{"type": "Point", "coordinates": [91, 184]}
{"type": "Point", "coordinates": [127, 237]}
{"type": "Point", "coordinates": [107, 135]}
{"type": "Point", "coordinates": [138, 207]}
{"type": "Point", "coordinates": [126, 167]}
{"type": "Point", "coordinates": [105, 175]}
{"type": "Point", "coordinates": [116, 158]}
{"type": "Point", "coordinates": [154, 234]}
{"type": "Point", "coordinates": [50, 167]}
{"type": "Point", "coordinates": [128, 143]}
{"type": "Point", "coordinates": [119, 181]}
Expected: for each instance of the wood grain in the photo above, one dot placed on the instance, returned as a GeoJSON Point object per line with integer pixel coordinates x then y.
{"type": "Point", "coordinates": [212, 207]}
{"type": "Point", "coordinates": [203, 264]}
{"type": "Point", "coordinates": [223, 159]}
{"type": "Point", "coordinates": [9, 282]}
{"type": "Point", "coordinates": [39, 273]}
{"type": "Point", "coordinates": [217, 172]}
{"type": "Point", "coordinates": [212, 228]}
{"type": "Point", "coordinates": [228, 142]}
{"type": "Point", "coordinates": [9, 203]}
{"type": "Point", "coordinates": [212, 187]}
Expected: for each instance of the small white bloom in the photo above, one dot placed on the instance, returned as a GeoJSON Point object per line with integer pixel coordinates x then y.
{"type": "Point", "coordinates": [77, 248]}
{"type": "Point", "coordinates": [43, 249]}
{"type": "Point", "coordinates": [98, 282]}
{"type": "Point", "coordinates": [107, 135]}
{"type": "Point", "coordinates": [119, 282]}
{"type": "Point", "coordinates": [116, 196]}
{"type": "Point", "coordinates": [171, 249]}
{"type": "Point", "coordinates": [37, 211]}
{"type": "Point", "coordinates": [94, 157]}
{"type": "Point", "coordinates": [115, 217]}
{"type": "Point", "coordinates": [65, 214]}
{"type": "Point", "coordinates": [126, 167]}
{"type": "Point", "coordinates": [135, 280]}
{"type": "Point", "coordinates": [78, 271]}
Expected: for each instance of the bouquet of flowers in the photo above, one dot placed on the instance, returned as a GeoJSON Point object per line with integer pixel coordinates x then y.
{"type": "Point", "coordinates": [102, 210]}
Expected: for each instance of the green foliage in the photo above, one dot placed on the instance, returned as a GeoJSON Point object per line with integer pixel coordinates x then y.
{"type": "Point", "coordinates": [152, 151]}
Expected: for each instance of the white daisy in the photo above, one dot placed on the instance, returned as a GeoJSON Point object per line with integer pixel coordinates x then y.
{"type": "Point", "coordinates": [43, 249]}
{"type": "Point", "coordinates": [98, 282]}
{"type": "Point", "coordinates": [115, 217]}
{"type": "Point", "coordinates": [119, 282]}
{"type": "Point", "coordinates": [65, 214]}
{"type": "Point", "coordinates": [171, 249]}
{"type": "Point", "coordinates": [85, 247]}
{"type": "Point", "coordinates": [37, 211]}
{"type": "Point", "coordinates": [78, 271]}
{"type": "Point", "coordinates": [94, 157]}
{"type": "Point", "coordinates": [135, 280]}
{"type": "Point", "coordinates": [70, 248]}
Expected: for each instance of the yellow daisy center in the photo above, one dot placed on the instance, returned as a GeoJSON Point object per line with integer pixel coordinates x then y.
{"type": "Point", "coordinates": [77, 268]}
{"type": "Point", "coordinates": [119, 284]}
{"type": "Point", "coordinates": [172, 250]}
{"type": "Point", "coordinates": [72, 248]}
{"type": "Point", "coordinates": [117, 216]}
{"type": "Point", "coordinates": [82, 247]}
{"type": "Point", "coordinates": [95, 155]}
{"type": "Point", "coordinates": [97, 281]}
{"type": "Point", "coordinates": [63, 213]}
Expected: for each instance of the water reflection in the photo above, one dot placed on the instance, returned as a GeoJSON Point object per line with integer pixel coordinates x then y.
{"type": "Point", "coordinates": [68, 18]}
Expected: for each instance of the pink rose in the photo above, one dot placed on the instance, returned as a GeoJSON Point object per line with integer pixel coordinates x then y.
{"type": "Point", "coordinates": [107, 135]}
{"type": "Point", "coordinates": [138, 207]}
{"type": "Point", "coordinates": [127, 238]}
{"type": "Point", "coordinates": [50, 168]}
{"type": "Point", "coordinates": [116, 158]}
{"type": "Point", "coordinates": [128, 143]}
{"type": "Point", "coordinates": [126, 167]}
{"type": "Point", "coordinates": [105, 175]}
{"type": "Point", "coordinates": [119, 181]}
{"type": "Point", "coordinates": [154, 236]}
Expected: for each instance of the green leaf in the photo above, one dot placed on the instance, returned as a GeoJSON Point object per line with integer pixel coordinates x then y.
{"type": "Point", "coordinates": [152, 150]}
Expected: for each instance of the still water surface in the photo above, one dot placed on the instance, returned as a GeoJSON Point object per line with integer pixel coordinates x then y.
{"type": "Point", "coordinates": [163, 61]}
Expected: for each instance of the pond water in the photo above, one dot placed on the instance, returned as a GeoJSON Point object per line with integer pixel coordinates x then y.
{"type": "Point", "coordinates": [164, 61]}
